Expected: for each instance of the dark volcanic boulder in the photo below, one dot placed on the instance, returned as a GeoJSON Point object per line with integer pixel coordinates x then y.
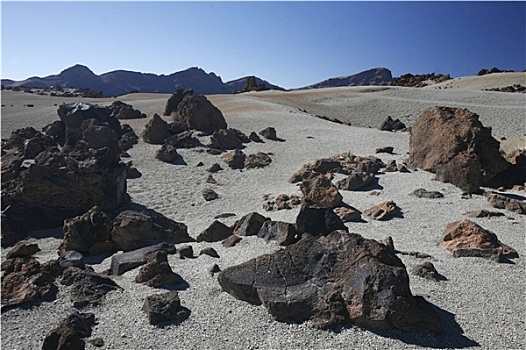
{"type": "Point", "coordinates": [234, 159]}
{"type": "Point", "coordinates": [317, 220]}
{"type": "Point", "coordinates": [168, 154]}
{"type": "Point", "coordinates": [156, 131]}
{"type": "Point", "coordinates": [453, 144]}
{"type": "Point", "coordinates": [502, 201]}
{"type": "Point", "coordinates": [69, 333]}
{"type": "Point", "coordinates": [356, 181]}
{"type": "Point", "coordinates": [225, 139]}
{"type": "Point", "coordinates": [217, 231]}
{"type": "Point", "coordinates": [165, 308]}
{"type": "Point", "coordinates": [134, 229]}
{"type": "Point", "coordinates": [157, 272]}
{"type": "Point", "coordinates": [257, 160]}
{"type": "Point", "coordinates": [249, 224]}
{"type": "Point", "coordinates": [120, 263]}
{"type": "Point", "coordinates": [87, 287]}
{"type": "Point", "coordinates": [200, 114]}
{"type": "Point", "coordinates": [283, 233]}
{"type": "Point", "coordinates": [392, 125]}
{"type": "Point", "coordinates": [173, 102]}
{"type": "Point", "coordinates": [269, 133]}
{"type": "Point", "coordinates": [334, 280]}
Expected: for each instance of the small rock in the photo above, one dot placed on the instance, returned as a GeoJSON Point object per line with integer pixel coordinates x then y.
{"type": "Point", "coordinates": [423, 193]}
{"type": "Point", "coordinates": [231, 241]}
{"type": "Point", "coordinates": [209, 251]}
{"type": "Point", "coordinates": [427, 270]}
{"type": "Point", "coordinates": [165, 308]}
{"type": "Point", "coordinates": [348, 214]}
{"type": "Point", "coordinates": [209, 194]}
{"type": "Point", "coordinates": [186, 251]}
{"type": "Point", "coordinates": [214, 269]}
{"type": "Point", "coordinates": [269, 133]}
{"type": "Point", "coordinates": [22, 249]}
{"type": "Point", "coordinates": [214, 168]}
{"type": "Point", "coordinates": [387, 149]}
{"type": "Point", "coordinates": [216, 232]}
{"type": "Point", "coordinates": [383, 211]}
{"type": "Point", "coordinates": [483, 213]}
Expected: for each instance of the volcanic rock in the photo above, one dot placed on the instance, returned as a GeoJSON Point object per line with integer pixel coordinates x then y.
{"type": "Point", "coordinates": [464, 238]}
{"type": "Point", "coordinates": [423, 193]}
{"type": "Point", "coordinates": [173, 102]}
{"type": "Point", "coordinates": [347, 214]}
{"type": "Point", "coordinates": [427, 270]}
{"type": "Point", "coordinates": [157, 272]}
{"type": "Point", "coordinates": [87, 287]}
{"type": "Point", "coordinates": [249, 225]}
{"type": "Point", "coordinates": [317, 220]}
{"type": "Point", "coordinates": [214, 168]}
{"type": "Point", "coordinates": [216, 232]}
{"type": "Point", "coordinates": [392, 125]}
{"type": "Point", "coordinates": [156, 131]}
{"type": "Point", "coordinates": [269, 133]}
{"type": "Point", "coordinates": [502, 201]}
{"type": "Point", "coordinates": [210, 252]}
{"type": "Point", "coordinates": [69, 333]}
{"type": "Point", "coordinates": [165, 308]}
{"type": "Point", "coordinates": [318, 189]}
{"type": "Point", "coordinates": [231, 241]}
{"type": "Point", "coordinates": [453, 144]}
{"type": "Point", "coordinates": [120, 263]}
{"type": "Point", "coordinates": [387, 149]}
{"type": "Point", "coordinates": [200, 114]}
{"type": "Point", "coordinates": [134, 229]}
{"type": "Point", "coordinates": [382, 211]}
{"type": "Point", "coordinates": [254, 137]}
{"type": "Point", "coordinates": [234, 159]}
{"type": "Point", "coordinates": [283, 233]}
{"type": "Point", "coordinates": [22, 250]}
{"type": "Point", "coordinates": [483, 214]}
{"type": "Point", "coordinates": [226, 139]}
{"type": "Point", "coordinates": [333, 280]}
{"type": "Point", "coordinates": [356, 181]}
{"type": "Point", "coordinates": [322, 166]}
{"type": "Point", "coordinates": [258, 160]}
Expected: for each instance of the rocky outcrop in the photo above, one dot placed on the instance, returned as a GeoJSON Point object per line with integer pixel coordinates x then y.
{"type": "Point", "coordinates": [22, 250]}
{"type": "Point", "coordinates": [419, 80]}
{"type": "Point", "coordinates": [334, 280]}
{"type": "Point", "coordinates": [464, 238]}
{"type": "Point", "coordinates": [121, 110]}
{"type": "Point", "coordinates": [375, 76]}
{"type": "Point", "coordinates": [453, 144]}
{"type": "Point", "coordinates": [200, 114]}
{"type": "Point", "coordinates": [503, 201]}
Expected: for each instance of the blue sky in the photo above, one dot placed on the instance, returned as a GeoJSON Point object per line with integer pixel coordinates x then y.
{"type": "Point", "coordinates": [290, 44]}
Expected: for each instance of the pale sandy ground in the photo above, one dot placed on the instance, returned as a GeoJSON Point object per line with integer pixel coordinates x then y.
{"type": "Point", "coordinates": [482, 302]}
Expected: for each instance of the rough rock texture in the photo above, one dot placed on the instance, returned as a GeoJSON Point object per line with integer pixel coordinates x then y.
{"type": "Point", "coordinates": [348, 214]}
{"type": "Point", "coordinates": [87, 287]}
{"type": "Point", "coordinates": [382, 211]}
{"type": "Point", "coordinates": [183, 139]}
{"type": "Point", "coordinates": [173, 102]}
{"type": "Point", "coordinates": [200, 114]}
{"type": "Point", "coordinates": [168, 154]}
{"type": "Point", "coordinates": [283, 233]}
{"type": "Point", "coordinates": [120, 263]}
{"type": "Point", "coordinates": [502, 201]}
{"type": "Point", "coordinates": [134, 229]}
{"type": "Point", "coordinates": [427, 270]}
{"type": "Point", "coordinates": [22, 250]}
{"type": "Point", "coordinates": [231, 241]}
{"type": "Point", "coordinates": [89, 233]}
{"type": "Point", "coordinates": [69, 333]}
{"type": "Point", "coordinates": [466, 238]}
{"type": "Point", "coordinates": [156, 131]}
{"type": "Point", "coordinates": [392, 125]}
{"type": "Point", "coordinates": [322, 166]}
{"type": "Point", "coordinates": [356, 181]}
{"type": "Point", "coordinates": [453, 144]}
{"type": "Point", "coordinates": [186, 252]}
{"type": "Point", "coordinates": [249, 224]}
{"type": "Point", "coordinates": [157, 272]}
{"type": "Point", "coordinates": [333, 280]}
{"type": "Point", "coordinates": [217, 231]}
{"type": "Point", "coordinates": [67, 182]}
{"type": "Point", "coordinates": [269, 133]}
{"type": "Point", "coordinates": [482, 213]}
{"type": "Point", "coordinates": [318, 189]}
{"type": "Point", "coordinates": [257, 160]}
{"type": "Point", "coordinates": [165, 308]}
{"type": "Point", "coordinates": [317, 220]}
{"type": "Point", "coordinates": [226, 139]}
{"type": "Point", "coordinates": [209, 194]}
{"type": "Point", "coordinates": [234, 159]}
{"type": "Point", "coordinates": [423, 193]}
{"type": "Point", "coordinates": [210, 252]}
{"type": "Point", "coordinates": [25, 280]}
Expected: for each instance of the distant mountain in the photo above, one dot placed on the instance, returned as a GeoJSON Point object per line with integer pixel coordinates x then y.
{"type": "Point", "coordinates": [375, 76]}
{"type": "Point", "coordinates": [239, 84]}
{"type": "Point", "coordinates": [121, 81]}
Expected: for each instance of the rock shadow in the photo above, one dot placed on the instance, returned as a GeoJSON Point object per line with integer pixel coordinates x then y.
{"type": "Point", "coordinates": [177, 322]}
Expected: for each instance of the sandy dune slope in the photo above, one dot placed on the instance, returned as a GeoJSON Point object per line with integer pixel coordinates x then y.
{"type": "Point", "coordinates": [482, 302]}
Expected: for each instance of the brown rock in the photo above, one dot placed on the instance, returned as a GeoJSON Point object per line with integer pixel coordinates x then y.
{"type": "Point", "coordinates": [392, 125]}
{"type": "Point", "coordinates": [226, 139]}
{"type": "Point", "coordinates": [168, 154]}
{"type": "Point", "coordinates": [502, 201]}
{"type": "Point", "coordinates": [87, 287]}
{"type": "Point", "coordinates": [214, 168]}
{"type": "Point", "coordinates": [200, 114]}
{"type": "Point", "coordinates": [217, 231]}
{"type": "Point", "coordinates": [348, 214]}
{"type": "Point", "coordinates": [382, 211]}
{"type": "Point", "coordinates": [249, 225]}
{"type": "Point", "coordinates": [22, 250]}
{"type": "Point", "coordinates": [173, 102]}
{"type": "Point", "coordinates": [157, 272]}
{"type": "Point", "coordinates": [427, 270]}
{"type": "Point", "coordinates": [356, 181]}
{"type": "Point", "coordinates": [482, 213]}
{"type": "Point", "coordinates": [156, 131]}
{"type": "Point", "coordinates": [165, 308]}
{"type": "Point", "coordinates": [322, 166]}
{"type": "Point", "coordinates": [423, 193]}
{"type": "Point", "coordinates": [234, 159]}
{"type": "Point", "coordinates": [453, 144]}
{"type": "Point", "coordinates": [319, 190]}
{"type": "Point", "coordinates": [466, 238]}
{"type": "Point", "coordinates": [231, 241]}
{"type": "Point", "coordinates": [69, 333]}
{"type": "Point", "coordinates": [258, 160]}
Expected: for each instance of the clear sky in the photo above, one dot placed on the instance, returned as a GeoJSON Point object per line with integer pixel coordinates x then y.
{"type": "Point", "coordinates": [291, 44]}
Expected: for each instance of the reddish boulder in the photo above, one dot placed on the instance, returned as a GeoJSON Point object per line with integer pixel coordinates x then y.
{"type": "Point", "coordinates": [234, 159]}
{"type": "Point", "coordinates": [383, 211]}
{"type": "Point", "coordinates": [502, 201]}
{"type": "Point", "coordinates": [319, 190]}
{"type": "Point", "coordinates": [453, 144]}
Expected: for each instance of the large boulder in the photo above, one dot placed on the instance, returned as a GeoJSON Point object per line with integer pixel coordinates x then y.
{"type": "Point", "coordinates": [133, 229]}
{"type": "Point", "coordinates": [165, 307]}
{"type": "Point", "coordinates": [249, 224]}
{"type": "Point", "coordinates": [173, 102]}
{"type": "Point", "coordinates": [319, 190]}
{"type": "Point", "coordinates": [87, 287]}
{"type": "Point", "coordinates": [70, 332]}
{"type": "Point", "coordinates": [334, 280]}
{"type": "Point", "coordinates": [453, 144]}
{"type": "Point", "coordinates": [317, 220]}
{"type": "Point", "coordinates": [200, 114]}
{"type": "Point", "coordinates": [156, 131]}
{"type": "Point", "coordinates": [464, 238]}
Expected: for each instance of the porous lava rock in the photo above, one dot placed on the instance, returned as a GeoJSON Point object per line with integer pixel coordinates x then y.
{"type": "Point", "coordinates": [157, 272]}
{"type": "Point", "coordinates": [464, 238]}
{"type": "Point", "coordinates": [333, 280]}
{"type": "Point", "coordinates": [156, 131]}
{"type": "Point", "coordinates": [87, 287]}
{"type": "Point", "coordinates": [453, 144]}
{"type": "Point", "coordinates": [22, 250]}
{"type": "Point", "coordinates": [226, 139]}
{"type": "Point", "coordinates": [69, 333]}
{"type": "Point", "coordinates": [200, 114]}
{"type": "Point", "coordinates": [319, 189]}
{"type": "Point", "coordinates": [165, 308]}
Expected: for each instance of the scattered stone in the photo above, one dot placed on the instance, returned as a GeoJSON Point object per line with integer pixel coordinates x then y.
{"type": "Point", "coordinates": [281, 202]}
{"type": "Point", "coordinates": [483, 213]}
{"type": "Point", "coordinates": [214, 168]}
{"type": "Point", "coordinates": [98, 342]}
{"type": "Point", "coordinates": [157, 272]}
{"type": "Point", "coordinates": [216, 232]}
{"type": "Point", "coordinates": [321, 166]}
{"type": "Point", "coordinates": [453, 144]}
{"type": "Point", "coordinates": [184, 139]}
{"type": "Point", "coordinates": [427, 270]}
{"type": "Point", "coordinates": [258, 160]}
{"type": "Point", "coordinates": [156, 131]}
{"type": "Point", "coordinates": [134, 229]}
{"type": "Point", "coordinates": [356, 181]}
{"type": "Point", "coordinates": [120, 263]}
{"type": "Point", "coordinates": [269, 133]}
{"type": "Point", "coordinates": [318, 189]}
{"type": "Point", "coordinates": [464, 238]}
{"type": "Point", "coordinates": [168, 154]}
{"type": "Point", "coordinates": [234, 159]}
{"type": "Point", "coordinates": [173, 102]}
{"type": "Point", "coordinates": [392, 125]}
{"type": "Point", "coordinates": [226, 139]}
{"type": "Point", "coordinates": [347, 214]}
{"type": "Point", "coordinates": [391, 167]}
{"type": "Point", "coordinates": [231, 241]}
{"type": "Point", "coordinates": [165, 308]}
{"type": "Point", "coordinates": [71, 258]}
{"type": "Point", "coordinates": [423, 193]}
{"type": "Point", "coordinates": [334, 280]}
{"type": "Point", "coordinates": [186, 251]}
{"type": "Point", "coordinates": [210, 180]}
{"type": "Point", "coordinates": [89, 233]}
{"type": "Point", "coordinates": [387, 149]}
{"type": "Point", "coordinates": [86, 286]}
{"type": "Point", "coordinates": [249, 225]}
{"type": "Point", "coordinates": [282, 232]}
{"type": "Point", "coordinates": [210, 252]}
{"type": "Point", "coordinates": [132, 173]}
{"type": "Point", "coordinates": [254, 137]}
{"type": "Point", "coordinates": [224, 215]}
{"type": "Point", "coordinates": [502, 201]}
{"type": "Point", "coordinates": [69, 333]}
{"type": "Point", "coordinates": [383, 211]}
{"type": "Point", "coordinates": [317, 220]}
{"type": "Point", "coordinates": [214, 269]}
{"type": "Point", "coordinates": [402, 168]}
{"type": "Point", "coordinates": [200, 114]}
{"type": "Point", "coordinates": [209, 194]}
{"type": "Point", "coordinates": [22, 250]}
